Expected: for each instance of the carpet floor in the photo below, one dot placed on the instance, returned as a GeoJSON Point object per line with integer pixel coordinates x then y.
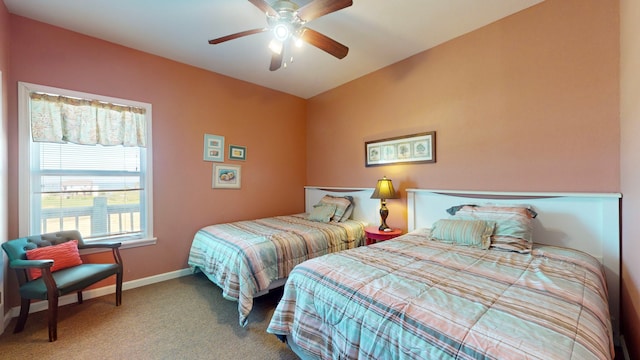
{"type": "Point", "coordinates": [184, 318]}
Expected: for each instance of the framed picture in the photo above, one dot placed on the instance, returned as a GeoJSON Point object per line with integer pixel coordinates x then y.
{"type": "Point", "coordinates": [213, 148]}
{"type": "Point", "coordinates": [237, 152]}
{"type": "Point", "coordinates": [409, 149]}
{"type": "Point", "coordinates": [226, 176]}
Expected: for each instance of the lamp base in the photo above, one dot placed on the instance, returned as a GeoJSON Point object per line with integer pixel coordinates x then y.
{"type": "Point", "coordinates": [384, 212]}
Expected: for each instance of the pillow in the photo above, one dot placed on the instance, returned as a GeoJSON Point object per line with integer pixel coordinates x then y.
{"type": "Point", "coordinates": [341, 203]}
{"type": "Point", "coordinates": [514, 225]}
{"type": "Point", "coordinates": [322, 212]}
{"type": "Point", "coordinates": [349, 211]}
{"type": "Point", "coordinates": [454, 209]}
{"type": "Point", "coordinates": [347, 214]}
{"type": "Point", "coordinates": [476, 233]}
{"type": "Point", "coordinates": [63, 255]}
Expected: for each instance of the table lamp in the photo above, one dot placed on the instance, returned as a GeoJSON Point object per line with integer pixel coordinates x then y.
{"type": "Point", "coordinates": [383, 191]}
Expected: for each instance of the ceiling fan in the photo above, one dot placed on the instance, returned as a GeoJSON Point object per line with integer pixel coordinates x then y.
{"type": "Point", "coordinates": [286, 20]}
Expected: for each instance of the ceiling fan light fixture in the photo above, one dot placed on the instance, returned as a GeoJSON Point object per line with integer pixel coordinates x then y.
{"type": "Point", "coordinates": [287, 20]}
{"type": "Point", "coordinates": [281, 32]}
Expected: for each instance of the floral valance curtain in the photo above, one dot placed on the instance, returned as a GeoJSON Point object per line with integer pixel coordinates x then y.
{"type": "Point", "coordinates": [61, 119]}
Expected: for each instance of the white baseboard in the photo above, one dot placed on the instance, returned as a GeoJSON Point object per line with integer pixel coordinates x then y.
{"type": "Point", "coordinates": [94, 293]}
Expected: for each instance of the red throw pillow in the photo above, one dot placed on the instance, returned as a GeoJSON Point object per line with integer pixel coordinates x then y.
{"type": "Point", "coordinates": [63, 255]}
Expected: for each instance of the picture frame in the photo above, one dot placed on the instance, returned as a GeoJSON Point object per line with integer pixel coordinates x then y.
{"type": "Point", "coordinates": [237, 152]}
{"type": "Point", "coordinates": [213, 148]}
{"type": "Point", "coordinates": [226, 176]}
{"type": "Point", "coordinates": [408, 149]}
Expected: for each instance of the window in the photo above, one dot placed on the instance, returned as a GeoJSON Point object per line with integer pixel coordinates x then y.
{"type": "Point", "coordinates": [82, 168]}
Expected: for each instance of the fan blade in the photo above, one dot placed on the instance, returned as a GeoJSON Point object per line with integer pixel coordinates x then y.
{"type": "Point", "coordinates": [236, 35]}
{"type": "Point", "coordinates": [324, 43]}
{"type": "Point", "coordinates": [276, 61]}
{"type": "Point", "coordinates": [264, 6]}
{"type": "Point", "coordinates": [317, 8]}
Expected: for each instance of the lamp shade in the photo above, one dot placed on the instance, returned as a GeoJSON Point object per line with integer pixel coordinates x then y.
{"type": "Point", "coordinates": [384, 190]}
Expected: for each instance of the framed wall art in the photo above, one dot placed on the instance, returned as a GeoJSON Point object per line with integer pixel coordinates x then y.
{"type": "Point", "coordinates": [213, 148]}
{"type": "Point", "coordinates": [226, 176]}
{"type": "Point", "coordinates": [237, 152]}
{"type": "Point", "coordinates": [409, 149]}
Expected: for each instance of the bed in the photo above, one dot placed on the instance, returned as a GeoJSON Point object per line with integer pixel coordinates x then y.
{"type": "Point", "coordinates": [419, 297]}
{"type": "Point", "coordinates": [247, 259]}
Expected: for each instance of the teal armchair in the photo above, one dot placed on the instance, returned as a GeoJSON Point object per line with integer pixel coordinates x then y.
{"type": "Point", "coordinates": [52, 285]}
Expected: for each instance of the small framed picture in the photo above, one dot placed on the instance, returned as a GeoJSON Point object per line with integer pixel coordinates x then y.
{"type": "Point", "coordinates": [237, 152]}
{"type": "Point", "coordinates": [226, 176]}
{"type": "Point", "coordinates": [213, 148]}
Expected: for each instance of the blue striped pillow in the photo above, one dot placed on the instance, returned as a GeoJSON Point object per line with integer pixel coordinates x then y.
{"type": "Point", "coordinates": [514, 225]}
{"type": "Point", "coordinates": [476, 233]}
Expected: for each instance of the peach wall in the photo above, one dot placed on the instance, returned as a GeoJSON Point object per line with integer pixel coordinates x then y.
{"type": "Point", "coordinates": [187, 103]}
{"type": "Point", "coordinates": [527, 103]}
{"type": "Point", "coordinates": [4, 65]}
{"type": "Point", "coordinates": [630, 174]}
{"type": "Point", "coordinates": [4, 37]}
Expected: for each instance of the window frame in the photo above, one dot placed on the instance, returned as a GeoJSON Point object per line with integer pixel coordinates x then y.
{"type": "Point", "coordinates": [24, 161]}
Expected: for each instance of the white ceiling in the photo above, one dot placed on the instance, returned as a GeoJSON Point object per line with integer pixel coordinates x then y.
{"type": "Point", "coordinates": [377, 32]}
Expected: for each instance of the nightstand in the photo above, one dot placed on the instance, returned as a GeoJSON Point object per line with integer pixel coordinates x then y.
{"type": "Point", "coordinates": [373, 235]}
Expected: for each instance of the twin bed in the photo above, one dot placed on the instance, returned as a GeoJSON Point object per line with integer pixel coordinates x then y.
{"type": "Point", "coordinates": [554, 296]}
{"type": "Point", "coordinates": [247, 259]}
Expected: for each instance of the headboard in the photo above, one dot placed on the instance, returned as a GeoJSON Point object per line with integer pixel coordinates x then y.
{"type": "Point", "coordinates": [366, 209]}
{"type": "Point", "coordinates": [589, 222]}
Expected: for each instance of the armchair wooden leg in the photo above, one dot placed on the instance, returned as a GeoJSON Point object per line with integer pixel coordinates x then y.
{"type": "Point", "coordinates": [119, 288]}
{"type": "Point", "coordinates": [53, 318]}
{"type": "Point", "coordinates": [24, 312]}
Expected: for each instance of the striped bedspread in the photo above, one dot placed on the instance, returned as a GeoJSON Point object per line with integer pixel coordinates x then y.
{"type": "Point", "coordinates": [411, 298]}
{"type": "Point", "coordinates": [244, 257]}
